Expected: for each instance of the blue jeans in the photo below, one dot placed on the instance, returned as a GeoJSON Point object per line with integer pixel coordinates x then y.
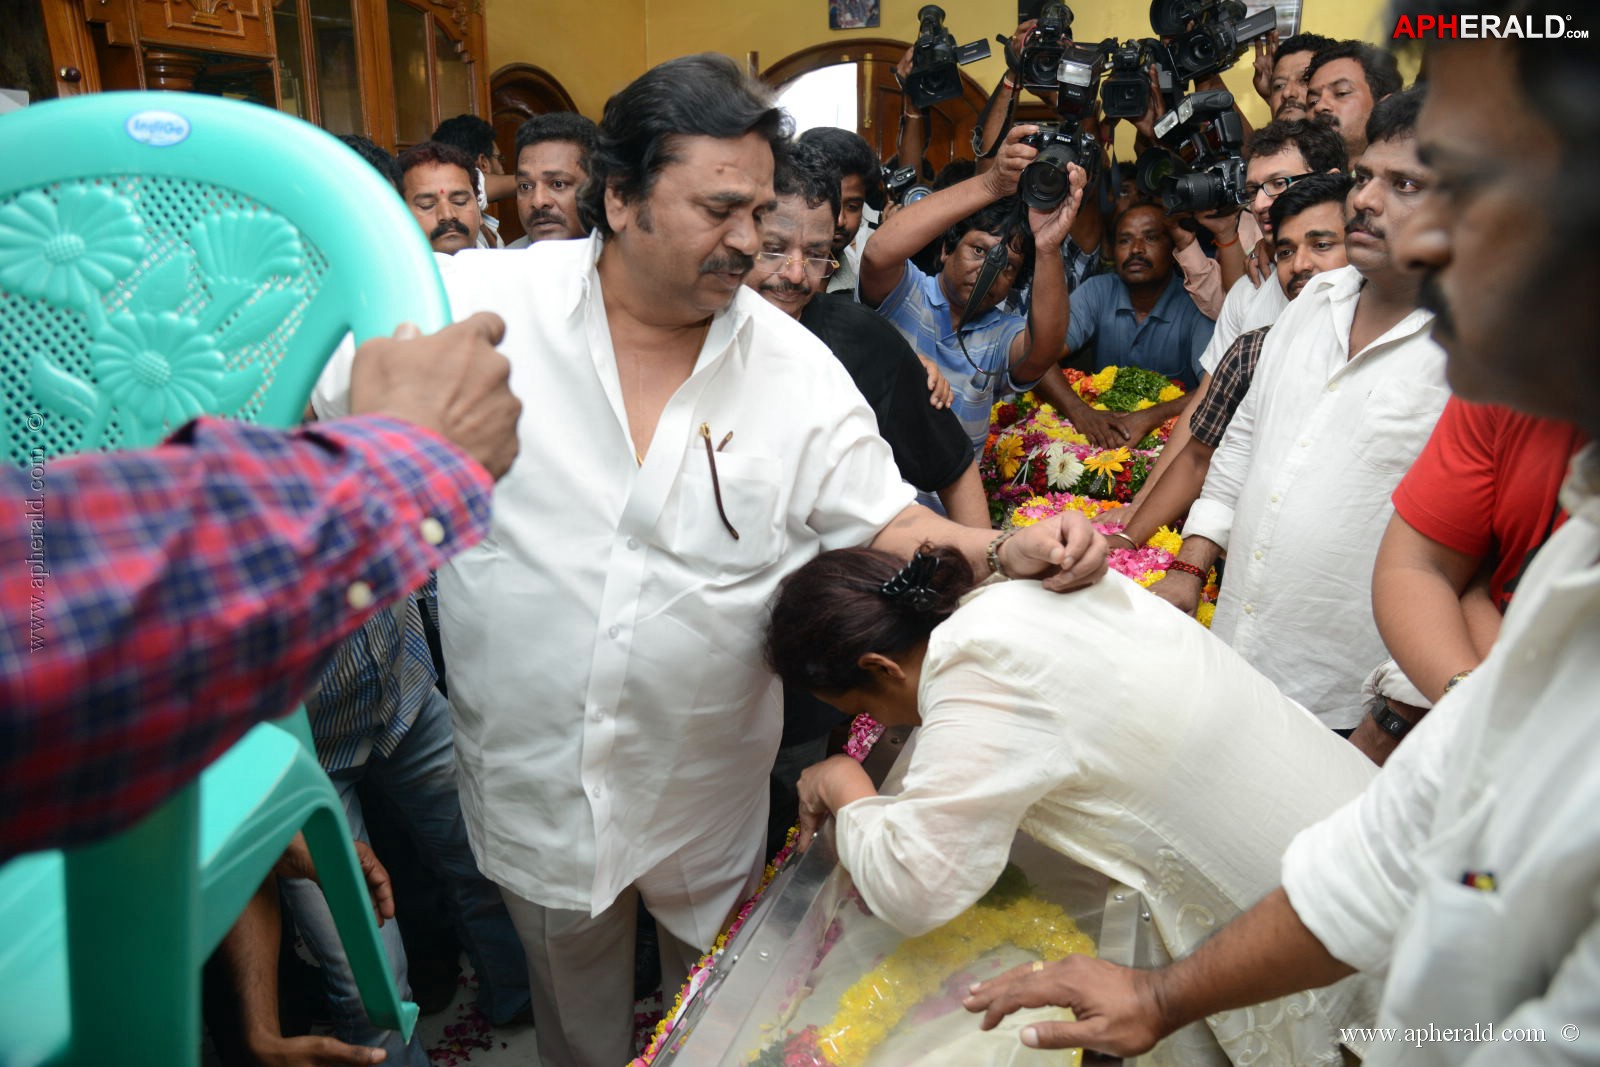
{"type": "Point", "coordinates": [419, 779]}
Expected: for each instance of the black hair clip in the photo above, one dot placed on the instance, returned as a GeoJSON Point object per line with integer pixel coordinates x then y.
{"type": "Point", "coordinates": [911, 586]}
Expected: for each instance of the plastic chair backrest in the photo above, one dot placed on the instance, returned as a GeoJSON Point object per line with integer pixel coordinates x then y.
{"type": "Point", "coordinates": [165, 255]}
{"type": "Point", "coordinates": [155, 265]}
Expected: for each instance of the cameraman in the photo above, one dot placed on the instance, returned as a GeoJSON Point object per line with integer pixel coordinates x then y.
{"type": "Point", "coordinates": [999, 352]}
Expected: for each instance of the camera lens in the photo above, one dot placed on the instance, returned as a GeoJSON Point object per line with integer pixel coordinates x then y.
{"type": "Point", "coordinates": [1044, 183]}
{"type": "Point", "coordinates": [1195, 191]}
{"type": "Point", "coordinates": [1152, 170]}
{"type": "Point", "coordinates": [915, 193]}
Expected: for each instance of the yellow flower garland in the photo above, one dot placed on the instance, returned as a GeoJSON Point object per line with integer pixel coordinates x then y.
{"type": "Point", "coordinates": [871, 1008]}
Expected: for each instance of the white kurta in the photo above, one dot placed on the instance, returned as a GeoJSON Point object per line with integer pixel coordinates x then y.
{"type": "Point", "coordinates": [613, 713]}
{"type": "Point", "coordinates": [1184, 777]}
{"type": "Point", "coordinates": [1502, 778]}
{"type": "Point", "coordinates": [1298, 492]}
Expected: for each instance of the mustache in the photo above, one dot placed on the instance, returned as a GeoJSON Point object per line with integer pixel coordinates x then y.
{"type": "Point", "coordinates": [1327, 119]}
{"type": "Point", "coordinates": [777, 284]}
{"type": "Point", "coordinates": [1431, 298]}
{"type": "Point", "coordinates": [1131, 260]}
{"type": "Point", "coordinates": [1361, 222]}
{"type": "Point", "coordinates": [543, 216]}
{"type": "Point", "coordinates": [448, 226]}
{"type": "Point", "coordinates": [731, 263]}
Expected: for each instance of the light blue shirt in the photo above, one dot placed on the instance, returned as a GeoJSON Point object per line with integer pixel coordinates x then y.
{"type": "Point", "coordinates": [1169, 341]}
{"type": "Point", "coordinates": [979, 376]}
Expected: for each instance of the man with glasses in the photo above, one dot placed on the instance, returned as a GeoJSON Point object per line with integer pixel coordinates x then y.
{"type": "Point", "coordinates": [996, 351]}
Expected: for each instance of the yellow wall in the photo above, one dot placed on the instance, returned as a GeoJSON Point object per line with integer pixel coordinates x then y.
{"type": "Point", "coordinates": [595, 48]}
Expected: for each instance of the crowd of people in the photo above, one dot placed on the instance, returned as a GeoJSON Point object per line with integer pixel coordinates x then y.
{"type": "Point", "coordinates": [695, 477]}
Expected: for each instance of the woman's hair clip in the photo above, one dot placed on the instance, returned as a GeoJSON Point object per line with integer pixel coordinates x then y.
{"type": "Point", "coordinates": [912, 586]}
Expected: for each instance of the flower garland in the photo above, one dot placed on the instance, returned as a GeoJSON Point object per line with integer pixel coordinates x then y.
{"type": "Point", "coordinates": [1033, 450]}
{"type": "Point", "coordinates": [871, 1008]}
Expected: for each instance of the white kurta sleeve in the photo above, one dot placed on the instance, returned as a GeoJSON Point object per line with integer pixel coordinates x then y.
{"type": "Point", "coordinates": [1353, 877]}
{"type": "Point", "coordinates": [858, 488]}
{"type": "Point", "coordinates": [987, 751]}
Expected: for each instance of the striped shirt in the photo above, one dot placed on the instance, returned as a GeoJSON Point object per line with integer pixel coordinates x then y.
{"type": "Point", "coordinates": [371, 693]}
{"type": "Point", "coordinates": [980, 375]}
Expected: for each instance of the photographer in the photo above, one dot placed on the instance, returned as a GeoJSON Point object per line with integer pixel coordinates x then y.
{"type": "Point", "coordinates": [998, 352]}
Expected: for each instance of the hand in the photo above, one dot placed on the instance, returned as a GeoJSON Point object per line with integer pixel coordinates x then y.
{"type": "Point", "coordinates": [296, 862]}
{"type": "Point", "coordinates": [1262, 77]}
{"type": "Point", "coordinates": [1179, 589]}
{"type": "Point", "coordinates": [1020, 37]}
{"type": "Point", "coordinates": [1102, 428]}
{"type": "Point", "coordinates": [1258, 262]}
{"type": "Point", "coordinates": [1222, 223]}
{"type": "Point", "coordinates": [1065, 551]}
{"type": "Point", "coordinates": [1182, 236]}
{"type": "Point", "coordinates": [821, 785]}
{"type": "Point", "coordinates": [902, 69]}
{"type": "Point", "coordinates": [1146, 123]}
{"type": "Point", "coordinates": [1050, 228]}
{"type": "Point", "coordinates": [1116, 1008]}
{"type": "Point", "coordinates": [1139, 423]}
{"type": "Point", "coordinates": [452, 382]}
{"type": "Point", "coordinates": [1009, 163]}
{"type": "Point", "coordinates": [1375, 743]}
{"type": "Point", "coordinates": [277, 1051]}
{"type": "Point", "coordinates": [1121, 515]}
{"type": "Point", "coordinates": [939, 391]}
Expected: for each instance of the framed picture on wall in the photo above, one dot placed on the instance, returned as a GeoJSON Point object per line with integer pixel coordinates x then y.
{"type": "Point", "coordinates": [852, 14]}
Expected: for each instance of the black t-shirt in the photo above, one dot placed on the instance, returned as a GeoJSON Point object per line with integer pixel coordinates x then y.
{"type": "Point", "coordinates": [930, 447]}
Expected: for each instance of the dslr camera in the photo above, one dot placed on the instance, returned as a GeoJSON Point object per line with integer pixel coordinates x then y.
{"type": "Point", "coordinates": [1207, 36]}
{"type": "Point", "coordinates": [1197, 164]}
{"type": "Point", "coordinates": [934, 59]}
{"type": "Point", "coordinates": [901, 185]}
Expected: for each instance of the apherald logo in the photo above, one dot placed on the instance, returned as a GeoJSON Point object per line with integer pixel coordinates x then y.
{"type": "Point", "coordinates": [1482, 27]}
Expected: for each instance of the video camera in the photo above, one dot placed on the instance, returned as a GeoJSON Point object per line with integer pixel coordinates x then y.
{"type": "Point", "coordinates": [1207, 36]}
{"type": "Point", "coordinates": [934, 59]}
{"type": "Point", "coordinates": [1125, 93]}
{"type": "Point", "coordinates": [1197, 164]}
{"type": "Point", "coordinates": [1045, 45]}
{"type": "Point", "coordinates": [1044, 182]}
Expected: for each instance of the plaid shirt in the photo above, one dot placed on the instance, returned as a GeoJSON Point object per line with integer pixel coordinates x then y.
{"type": "Point", "coordinates": [170, 598]}
{"type": "Point", "coordinates": [1228, 387]}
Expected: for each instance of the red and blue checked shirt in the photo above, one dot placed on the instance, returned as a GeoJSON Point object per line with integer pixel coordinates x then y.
{"type": "Point", "coordinates": [158, 603]}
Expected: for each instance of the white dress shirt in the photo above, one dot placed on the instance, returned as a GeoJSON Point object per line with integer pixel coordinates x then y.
{"type": "Point", "coordinates": [1248, 307]}
{"type": "Point", "coordinates": [1501, 779]}
{"type": "Point", "coordinates": [1185, 782]}
{"type": "Point", "coordinates": [613, 713]}
{"type": "Point", "coordinates": [1298, 492]}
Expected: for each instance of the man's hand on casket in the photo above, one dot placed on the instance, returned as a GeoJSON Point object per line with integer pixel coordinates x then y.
{"type": "Point", "coordinates": [1064, 551]}
{"type": "Point", "coordinates": [825, 788]}
{"type": "Point", "coordinates": [1116, 1007]}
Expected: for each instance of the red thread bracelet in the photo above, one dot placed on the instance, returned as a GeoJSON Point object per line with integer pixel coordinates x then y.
{"type": "Point", "coordinates": [1186, 568]}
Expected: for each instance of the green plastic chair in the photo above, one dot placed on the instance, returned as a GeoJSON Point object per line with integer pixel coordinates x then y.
{"type": "Point", "coordinates": [164, 255]}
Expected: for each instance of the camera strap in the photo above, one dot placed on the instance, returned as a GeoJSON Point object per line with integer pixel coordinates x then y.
{"type": "Point", "coordinates": [994, 262]}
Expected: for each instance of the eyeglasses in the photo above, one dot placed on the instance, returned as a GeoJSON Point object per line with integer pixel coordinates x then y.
{"type": "Point", "coordinates": [773, 262]}
{"type": "Point", "coordinates": [1273, 187]}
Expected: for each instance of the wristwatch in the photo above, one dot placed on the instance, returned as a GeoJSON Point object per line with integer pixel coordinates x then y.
{"type": "Point", "coordinates": [1391, 723]}
{"type": "Point", "coordinates": [993, 554]}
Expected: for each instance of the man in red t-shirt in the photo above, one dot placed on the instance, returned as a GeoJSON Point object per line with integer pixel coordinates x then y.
{"type": "Point", "coordinates": [1479, 501]}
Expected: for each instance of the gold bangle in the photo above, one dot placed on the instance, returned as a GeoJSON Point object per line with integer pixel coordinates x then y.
{"type": "Point", "coordinates": [1456, 679]}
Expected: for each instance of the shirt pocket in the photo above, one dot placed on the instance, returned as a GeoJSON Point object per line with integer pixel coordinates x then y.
{"type": "Point", "coordinates": [747, 493]}
{"type": "Point", "coordinates": [1395, 424]}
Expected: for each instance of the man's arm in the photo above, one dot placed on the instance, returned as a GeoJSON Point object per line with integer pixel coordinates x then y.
{"type": "Point", "coordinates": [964, 501]}
{"type": "Point", "coordinates": [1036, 350]}
{"type": "Point", "coordinates": [1171, 499]}
{"type": "Point", "coordinates": [1064, 552]}
{"type": "Point", "coordinates": [1417, 587]}
{"type": "Point", "coordinates": [191, 590]}
{"type": "Point", "coordinates": [1264, 954]}
{"type": "Point", "coordinates": [908, 230]}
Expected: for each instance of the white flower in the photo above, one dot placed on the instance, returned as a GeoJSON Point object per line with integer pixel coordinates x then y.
{"type": "Point", "coordinates": [1062, 468]}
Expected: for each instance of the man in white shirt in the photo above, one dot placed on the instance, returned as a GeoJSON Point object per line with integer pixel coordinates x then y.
{"type": "Point", "coordinates": [1467, 873]}
{"type": "Point", "coordinates": [1347, 391]}
{"type": "Point", "coordinates": [689, 445]}
{"type": "Point", "coordinates": [552, 163]}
